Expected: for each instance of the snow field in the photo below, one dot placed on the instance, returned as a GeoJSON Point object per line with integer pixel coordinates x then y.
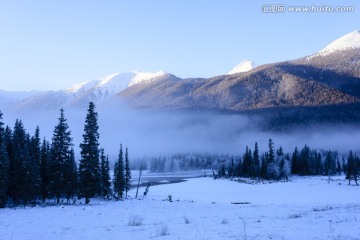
{"type": "Point", "coordinates": [305, 208]}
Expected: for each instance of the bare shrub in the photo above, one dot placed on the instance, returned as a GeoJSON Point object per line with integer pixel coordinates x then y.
{"type": "Point", "coordinates": [135, 220]}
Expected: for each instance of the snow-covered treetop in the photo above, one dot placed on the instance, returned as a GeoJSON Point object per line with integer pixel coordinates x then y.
{"type": "Point", "coordinates": [243, 66]}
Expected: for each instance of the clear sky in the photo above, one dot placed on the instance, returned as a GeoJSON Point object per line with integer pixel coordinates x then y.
{"type": "Point", "coordinates": [52, 44]}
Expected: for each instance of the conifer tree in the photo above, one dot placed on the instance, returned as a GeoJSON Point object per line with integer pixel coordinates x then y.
{"type": "Point", "coordinates": [89, 169]}
{"type": "Point", "coordinates": [105, 190]}
{"type": "Point", "coordinates": [271, 156]}
{"type": "Point", "coordinates": [32, 179]}
{"type": "Point", "coordinates": [256, 159]}
{"type": "Point", "coordinates": [247, 163]}
{"type": "Point", "coordinates": [352, 171]}
{"type": "Point", "coordinates": [127, 173]}
{"type": "Point", "coordinates": [44, 169]}
{"type": "Point", "coordinates": [17, 167]}
{"type": "Point", "coordinates": [119, 177]}
{"type": "Point", "coordinates": [59, 154]}
{"type": "Point", "coordinates": [70, 176]}
{"type": "Point", "coordinates": [4, 167]}
{"type": "Point", "coordinates": [295, 162]}
{"type": "Point", "coordinates": [231, 169]}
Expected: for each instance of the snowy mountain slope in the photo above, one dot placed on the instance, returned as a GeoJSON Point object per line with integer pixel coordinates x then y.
{"type": "Point", "coordinates": [346, 42]}
{"type": "Point", "coordinates": [243, 66]}
{"type": "Point", "coordinates": [95, 90]}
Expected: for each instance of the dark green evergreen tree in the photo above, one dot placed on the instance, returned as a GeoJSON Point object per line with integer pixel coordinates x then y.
{"type": "Point", "coordinates": [295, 169]}
{"type": "Point", "coordinates": [119, 177]}
{"type": "Point", "coordinates": [89, 169]}
{"type": "Point", "coordinates": [32, 179]}
{"type": "Point", "coordinates": [36, 146]}
{"type": "Point", "coordinates": [256, 160]}
{"type": "Point", "coordinates": [304, 160]}
{"type": "Point", "coordinates": [248, 167]}
{"type": "Point", "coordinates": [271, 156]}
{"type": "Point", "coordinates": [352, 171]}
{"type": "Point", "coordinates": [17, 163]}
{"type": "Point", "coordinates": [4, 166]}
{"type": "Point", "coordinates": [231, 169]}
{"type": "Point", "coordinates": [59, 156]}
{"type": "Point", "coordinates": [127, 172]}
{"type": "Point", "coordinates": [70, 176]}
{"type": "Point", "coordinates": [35, 155]}
{"type": "Point", "coordinates": [105, 190]}
{"type": "Point", "coordinates": [44, 169]}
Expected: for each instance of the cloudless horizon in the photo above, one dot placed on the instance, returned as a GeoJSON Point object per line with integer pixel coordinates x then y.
{"type": "Point", "coordinates": [51, 45]}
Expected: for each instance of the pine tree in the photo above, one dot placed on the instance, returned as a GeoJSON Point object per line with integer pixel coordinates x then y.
{"type": "Point", "coordinates": [89, 170]}
{"type": "Point", "coordinates": [36, 146]}
{"type": "Point", "coordinates": [304, 160]}
{"type": "Point", "coordinates": [271, 156]}
{"type": "Point", "coordinates": [256, 159]}
{"type": "Point", "coordinates": [4, 167]}
{"type": "Point", "coordinates": [70, 176]}
{"type": "Point", "coordinates": [44, 169]}
{"type": "Point", "coordinates": [17, 166]}
{"type": "Point", "coordinates": [248, 167]}
{"type": "Point", "coordinates": [119, 177]}
{"type": "Point", "coordinates": [127, 173]}
{"type": "Point", "coordinates": [295, 162]}
{"type": "Point", "coordinates": [35, 155]}
{"type": "Point", "coordinates": [352, 170]}
{"type": "Point", "coordinates": [105, 190]}
{"type": "Point", "coordinates": [59, 154]}
{"type": "Point", "coordinates": [231, 169]}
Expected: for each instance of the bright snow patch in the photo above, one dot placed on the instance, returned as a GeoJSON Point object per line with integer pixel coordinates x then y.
{"type": "Point", "coordinates": [82, 87]}
{"type": "Point", "coordinates": [202, 208]}
{"type": "Point", "coordinates": [112, 84]}
{"type": "Point", "coordinates": [146, 77]}
{"type": "Point", "coordinates": [349, 41]}
{"type": "Point", "coordinates": [243, 66]}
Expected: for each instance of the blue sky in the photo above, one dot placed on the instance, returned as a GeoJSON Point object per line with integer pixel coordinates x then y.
{"type": "Point", "coordinates": [53, 44]}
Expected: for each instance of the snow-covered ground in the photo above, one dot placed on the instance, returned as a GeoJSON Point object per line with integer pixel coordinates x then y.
{"type": "Point", "coordinates": [201, 208]}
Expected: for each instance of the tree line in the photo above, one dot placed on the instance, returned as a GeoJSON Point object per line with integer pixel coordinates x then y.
{"type": "Point", "coordinates": [273, 164]}
{"type": "Point", "coordinates": [33, 170]}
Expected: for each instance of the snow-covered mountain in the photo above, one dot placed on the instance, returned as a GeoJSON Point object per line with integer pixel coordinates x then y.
{"type": "Point", "coordinates": [346, 42]}
{"type": "Point", "coordinates": [80, 94]}
{"type": "Point", "coordinates": [243, 66]}
{"type": "Point", "coordinates": [111, 85]}
{"type": "Point", "coordinates": [9, 97]}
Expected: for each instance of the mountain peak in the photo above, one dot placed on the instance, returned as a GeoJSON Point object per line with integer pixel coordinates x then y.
{"type": "Point", "coordinates": [346, 42]}
{"type": "Point", "coordinates": [146, 77]}
{"type": "Point", "coordinates": [243, 66]}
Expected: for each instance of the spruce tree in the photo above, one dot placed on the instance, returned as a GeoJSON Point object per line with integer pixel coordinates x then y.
{"type": "Point", "coordinates": [4, 167]}
{"type": "Point", "coordinates": [35, 155]}
{"type": "Point", "coordinates": [70, 176]}
{"type": "Point", "coordinates": [271, 156]}
{"type": "Point", "coordinates": [105, 190]}
{"type": "Point", "coordinates": [32, 179]}
{"type": "Point", "coordinates": [119, 177]}
{"type": "Point", "coordinates": [256, 159]}
{"type": "Point", "coordinates": [352, 171]}
{"type": "Point", "coordinates": [17, 167]}
{"type": "Point", "coordinates": [44, 169]}
{"type": "Point", "coordinates": [89, 169]}
{"type": "Point", "coordinates": [295, 162]}
{"type": "Point", "coordinates": [127, 173]}
{"type": "Point", "coordinates": [59, 155]}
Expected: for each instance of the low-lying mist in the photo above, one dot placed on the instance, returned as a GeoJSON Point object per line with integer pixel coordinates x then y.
{"type": "Point", "coordinates": [155, 132]}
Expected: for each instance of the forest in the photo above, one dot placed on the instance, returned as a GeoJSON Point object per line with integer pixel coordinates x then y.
{"type": "Point", "coordinates": [35, 170]}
